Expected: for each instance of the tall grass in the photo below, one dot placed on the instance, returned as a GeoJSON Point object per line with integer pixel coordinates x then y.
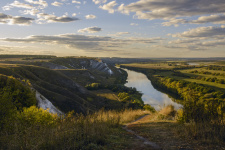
{"type": "Point", "coordinates": [70, 132]}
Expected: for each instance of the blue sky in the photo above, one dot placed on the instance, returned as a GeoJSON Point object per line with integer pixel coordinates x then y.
{"type": "Point", "coordinates": [107, 28]}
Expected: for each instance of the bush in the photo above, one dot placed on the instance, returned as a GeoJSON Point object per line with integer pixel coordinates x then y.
{"type": "Point", "coordinates": [36, 116]}
{"type": "Point", "coordinates": [149, 108]}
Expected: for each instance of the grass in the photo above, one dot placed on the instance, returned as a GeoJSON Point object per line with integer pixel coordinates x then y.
{"type": "Point", "coordinates": [161, 69]}
{"type": "Point", "coordinates": [151, 65]}
{"type": "Point", "coordinates": [106, 94]}
{"type": "Point", "coordinates": [163, 129]}
{"type": "Point", "coordinates": [101, 130]}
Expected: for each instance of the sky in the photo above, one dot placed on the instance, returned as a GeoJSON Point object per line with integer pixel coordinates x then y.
{"type": "Point", "coordinates": [113, 28]}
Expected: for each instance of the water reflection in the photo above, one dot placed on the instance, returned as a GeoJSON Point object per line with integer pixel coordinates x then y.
{"type": "Point", "coordinates": [193, 64]}
{"type": "Point", "coordinates": [150, 96]}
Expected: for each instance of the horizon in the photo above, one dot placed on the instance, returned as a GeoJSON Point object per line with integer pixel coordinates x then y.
{"type": "Point", "coordinates": [107, 28]}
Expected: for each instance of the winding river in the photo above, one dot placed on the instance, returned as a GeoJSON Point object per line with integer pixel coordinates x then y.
{"type": "Point", "coordinates": [150, 95]}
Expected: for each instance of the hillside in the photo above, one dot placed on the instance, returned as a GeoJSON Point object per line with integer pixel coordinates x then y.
{"type": "Point", "coordinates": [62, 80]}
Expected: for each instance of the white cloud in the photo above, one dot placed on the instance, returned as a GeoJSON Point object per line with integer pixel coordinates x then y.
{"type": "Point", "coordinates": [90, 30]}
{"type": "Point", "coordinates": [43, 18]}
{"type": "Point", "coordinates": [134, 24]}
{"type": "Point", "coordinates": [32, 12]}
{"type": "Point", "coordinates": [216, 19]}
{"type": "Point", "coordinates": [76, 2]}
{"type": "Point", "coordinates": [119, 34]}
{"type": "Point", "coordinates": [123, 10]}
{"type": "Point", "coordinates": [57, 4]}
{"type": "Point", "coordinates": [99, 1]}
{"type": "Point", "coordinates": [203, 32]}
{"type": "Point", "coordinates": [15, 20]}
{"type": "Point", "coordinates": [90, 16]}
{"type": "Point", "coordinates": [74, 14]}
{"type": "Point", "coordinates": [18, 5]}
{"type": "Point", "coordinates": [200, 38]}
{"type": "Point", "coordinates": [109, 7]}
{"type": "Point", "coordinates": [168, 9]}
{"type": "Point", "coordinates": [42, 3]}
{"type": "Point", "coordinates": [175, 22]}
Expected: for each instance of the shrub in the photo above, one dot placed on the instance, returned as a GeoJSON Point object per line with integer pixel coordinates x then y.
{"type": "Point", "coordinates": [149, 108]}
{"type": "Point", "coordinates": [36, 116]}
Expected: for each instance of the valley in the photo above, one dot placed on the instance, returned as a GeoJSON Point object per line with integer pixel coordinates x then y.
{"type": "Point", "coordinates": [90, 101]}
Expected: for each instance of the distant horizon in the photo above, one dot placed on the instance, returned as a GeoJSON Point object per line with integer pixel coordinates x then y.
{"type": "Point", "coordinates": [118, 57]}
{"type": "Point", "coordinates": [113, 28]}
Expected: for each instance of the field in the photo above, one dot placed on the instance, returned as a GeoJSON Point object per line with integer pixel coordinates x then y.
{"type": "Point", "coordinates": [186, 73]}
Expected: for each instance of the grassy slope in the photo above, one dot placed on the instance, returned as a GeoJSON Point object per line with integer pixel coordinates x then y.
{"type": "Point", "coordinates": [170, 135]}
{"type": "Point", "coordinates": [64, 88]}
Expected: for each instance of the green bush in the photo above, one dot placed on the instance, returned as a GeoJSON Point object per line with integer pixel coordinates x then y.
{"type": "Point", "coordinates": [36, 116]}
{"type": "Point", "coordinates": [149, 108]}
{"type": "Point", "coordinates": [13, 96]}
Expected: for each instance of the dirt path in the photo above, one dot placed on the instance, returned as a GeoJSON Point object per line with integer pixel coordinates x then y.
{"type": "Point", "coordinates": [146, 143]}
{"type": "Point", "coordinates": [167, 135]}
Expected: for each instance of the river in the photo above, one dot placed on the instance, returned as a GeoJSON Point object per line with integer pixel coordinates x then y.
{"type": "Point", "coordinates": [150, 95]}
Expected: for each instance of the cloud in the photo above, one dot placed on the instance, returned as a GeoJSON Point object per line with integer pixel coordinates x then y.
{"type": "Point", "coordinates": [201, 38]}
{"type": "Point", "coordinates": [52, 18]}
{"type": "Point", "coordinates": [215, 19]}
{"type": "Point", "coordinates": [175, 22]}
{"type": "Point", "coordinates": [90, 30]}
{"type": "Point", "coordinates": [123, 10]}
{"type": "Point", "coordinates": [183, 41]}
{"type": "Point", "coordinates": [32, 12]}
{"type": "Point", "coordinates": [15, 20]}
{"type": "Point", "coordinates": [161, 9]}
{"type": "Point", "coordinates": [99, 1]}
{"type": "Point", "coordinates": [134, 24]}
{"type": "Point", "coordinates": [18, 5]}
{"type": "Point", "coordinates": [109, 7]}
{"type": "Point", "coordinates": [203, 32]}
{"type": "Point", "coordinates": [57, 4]}
{"type": "Point", "coordinates": [42, 3]}
{"type": "Point", "coordinates": [87, 43]}
{"type": "Point", "coordinates": [119, 34]}
{"type": "Point", "coordinates": [76, 2]}
{"type": "Point", "coordinates": [214, 43]}
{"type": "Point", "coordinates": [20, 20]}
{"type": "Point", "coordinates": [90, 16]}
{"type": "Point", "coordinates": [69, 40]}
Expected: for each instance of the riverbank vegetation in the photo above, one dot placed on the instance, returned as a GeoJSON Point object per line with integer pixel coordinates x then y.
{"type": "Point", "coordinates": [203, 103]}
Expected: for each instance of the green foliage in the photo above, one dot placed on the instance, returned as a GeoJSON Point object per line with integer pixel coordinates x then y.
{"type": "Point", "coordinates": [215, 67]}
{"type": "Point", "coordinates": [149, 108]}
{"type": "Point", "coordinates": [36, 116]}
{"type": "Point", "coordinates": [35, 128]}
{"type": "Point", "coordinates": [124, 97]}
{"type": "Point", "coordinates": [93, 86]}
{"type": "Point", "coordinates": [13, 96]}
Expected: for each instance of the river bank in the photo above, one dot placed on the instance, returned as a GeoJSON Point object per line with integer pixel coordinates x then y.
{"type": "Point", "coordinates": [150, 95]}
